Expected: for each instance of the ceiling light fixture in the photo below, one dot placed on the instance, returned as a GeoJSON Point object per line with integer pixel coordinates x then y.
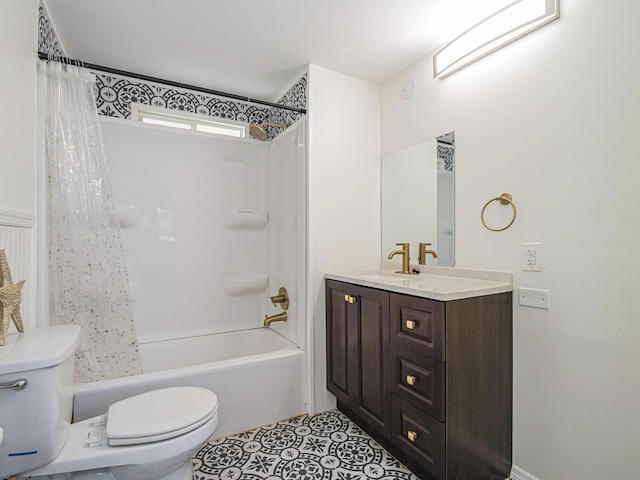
{"type": "Point", "coordinates": [503, 27]}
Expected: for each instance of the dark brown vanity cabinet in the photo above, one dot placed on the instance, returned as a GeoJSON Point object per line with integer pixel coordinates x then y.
{"type": "Point", "coordinates": [430, 380]}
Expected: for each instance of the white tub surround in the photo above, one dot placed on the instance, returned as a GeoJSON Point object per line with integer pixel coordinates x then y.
{"type": "Point", "coordinates": [436, 283]}
{"type": "Point", "coordinates": [217, 229]}
{"type": "Point", "coordinates": [221, 224]}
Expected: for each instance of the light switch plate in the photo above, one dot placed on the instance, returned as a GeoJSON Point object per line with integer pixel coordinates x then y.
{"type": "Point", "coordinates": [533, 297]}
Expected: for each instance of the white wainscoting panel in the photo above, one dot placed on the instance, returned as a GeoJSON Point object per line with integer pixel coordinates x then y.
{"type": "Point", "coordinates": [18, 240]}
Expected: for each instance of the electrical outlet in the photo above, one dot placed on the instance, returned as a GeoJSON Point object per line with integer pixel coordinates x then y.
{"type": "Point", "coordinates": [532, 257]}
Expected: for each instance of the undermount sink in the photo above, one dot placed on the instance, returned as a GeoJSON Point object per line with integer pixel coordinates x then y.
{"type": "Point", "coordinates": [437, 283]}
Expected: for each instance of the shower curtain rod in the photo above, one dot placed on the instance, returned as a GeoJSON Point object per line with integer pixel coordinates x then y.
{"type": "Point", "coordinates": [147, 78]}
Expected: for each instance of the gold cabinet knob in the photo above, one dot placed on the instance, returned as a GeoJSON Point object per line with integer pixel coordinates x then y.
{"type": "Point", "coordinates": [411, 380]}
{"type": "Point", "coordinates": [412, 436]}
{"type": "Point", "coordinates": [350, 299]}
{"type": "Point", "coordinates": [411, 324]}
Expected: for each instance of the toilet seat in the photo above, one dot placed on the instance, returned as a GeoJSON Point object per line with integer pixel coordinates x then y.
{"type": "Point", "coordinates": [159, 415]}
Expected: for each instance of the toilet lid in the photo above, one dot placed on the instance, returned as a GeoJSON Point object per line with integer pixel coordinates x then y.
{"type": "Point", "coordinates": [159, 415]}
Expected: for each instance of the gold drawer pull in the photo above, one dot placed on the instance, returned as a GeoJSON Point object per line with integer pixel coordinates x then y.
{"type": "Point", "coordinates": [411, 380]}
{"type": "Point", "coordinates": [350, 299]}
{"type": "Point", "coordinates": [412, 436]}
{"type": "Point", "coordinates": [411, 324]}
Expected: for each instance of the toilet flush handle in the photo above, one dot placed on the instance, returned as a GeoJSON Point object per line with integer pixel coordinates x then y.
{"type": "Point", "coordinates": [20, 384]}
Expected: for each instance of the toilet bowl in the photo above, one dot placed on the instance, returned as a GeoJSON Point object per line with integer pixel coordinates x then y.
{"type": "Point", "coordinates": [151, 436]}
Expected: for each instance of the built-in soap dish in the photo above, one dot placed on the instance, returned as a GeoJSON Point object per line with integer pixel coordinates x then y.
{"type": "Point", "coordinates": [246, 219]}
{"type": "Point", "coordinates": [246, 285]}
{"type": "Point", "coordinates": [126, 216]}
{"type": "Point", "coordinates": [134, 291]}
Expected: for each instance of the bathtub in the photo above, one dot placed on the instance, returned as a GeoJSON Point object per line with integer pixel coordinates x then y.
{"type": "Point", "coordinates": [258, 376]}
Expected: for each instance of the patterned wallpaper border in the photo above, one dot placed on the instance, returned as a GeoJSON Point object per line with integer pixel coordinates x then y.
{"type": "Point", "coordinates": [115, 94]}
{"type": "Point", "coordinates": [47, 39]}
{"type": "Point", "coordinates": [446, 156]}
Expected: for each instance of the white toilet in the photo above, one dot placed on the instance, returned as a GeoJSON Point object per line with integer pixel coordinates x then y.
{"type": "Point", "coordinates": [151, 436]}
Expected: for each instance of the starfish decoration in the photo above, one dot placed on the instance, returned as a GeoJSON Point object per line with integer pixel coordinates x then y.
{"type": "Point", "coordinates": [10, 297]}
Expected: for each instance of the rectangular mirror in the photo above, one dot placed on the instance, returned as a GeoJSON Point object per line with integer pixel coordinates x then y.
{"type": "Point", "coordinates": [418, 194]}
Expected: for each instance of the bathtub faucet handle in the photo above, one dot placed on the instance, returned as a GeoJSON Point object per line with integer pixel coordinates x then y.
{"type": "Point", "coordinates": [282, 298]}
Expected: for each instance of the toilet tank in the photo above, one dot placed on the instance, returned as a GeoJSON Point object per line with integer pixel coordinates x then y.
{"type": "Point", "coordinates": [35, 420]}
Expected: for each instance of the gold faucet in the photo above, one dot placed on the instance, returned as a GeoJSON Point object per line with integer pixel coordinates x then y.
{"type": "Point", "coordinates": [405, 257]}
{"type": "Point", "coordinates": [280, 317]}
{"type": "Point", "coordinates": [422, 253]}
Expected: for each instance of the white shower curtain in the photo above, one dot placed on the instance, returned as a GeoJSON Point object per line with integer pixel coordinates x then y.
{"type": "Point", "coordinates": [87, 277]}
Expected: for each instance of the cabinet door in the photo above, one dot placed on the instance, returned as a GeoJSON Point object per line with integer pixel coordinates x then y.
{"type": "Point", "coordinates": [371, 400]}
{"type": "Point", "coordinates": [340, 378]}
{"type": "Point", "coordinates": [357, 340]}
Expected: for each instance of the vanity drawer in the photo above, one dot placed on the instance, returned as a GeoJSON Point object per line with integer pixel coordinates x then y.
{"type": "Point", "coordinates": [418, 435]}
{"type": "Point", "coordinates": [420, 381]}
{"type": "Point", "coordinates": [417, 324]}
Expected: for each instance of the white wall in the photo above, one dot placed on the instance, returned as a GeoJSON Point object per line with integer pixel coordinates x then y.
{"type": "Point", "coordinates": [344, 192]}
{"type": "Point", "coordinates": [18, 45]}
{"type": "Point", "coordinates": [553, 119]}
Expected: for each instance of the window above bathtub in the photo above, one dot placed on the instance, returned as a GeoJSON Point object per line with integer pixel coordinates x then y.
{"type": "Point", "coordinates": [186, 121]}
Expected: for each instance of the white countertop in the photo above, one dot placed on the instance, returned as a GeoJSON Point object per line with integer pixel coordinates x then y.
{"type": "Point", "coordinates": [436, 283]}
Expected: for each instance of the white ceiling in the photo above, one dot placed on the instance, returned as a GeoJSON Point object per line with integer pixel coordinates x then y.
{"type": "Point", "coordinates": [257, 48]}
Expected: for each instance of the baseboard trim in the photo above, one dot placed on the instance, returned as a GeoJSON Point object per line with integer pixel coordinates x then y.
{"type": "Point", "coordinates": [17, 218]}
{"type": "Point", "coordinates": [519, 474]}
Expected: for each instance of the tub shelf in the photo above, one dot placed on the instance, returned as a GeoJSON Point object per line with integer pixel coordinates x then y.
{"type": "Point", "coordinates": [246, 285]}
{"type": "Point", "coordinates": [126, 216]}
{"type": "Point", "coordinates": [246, 220]}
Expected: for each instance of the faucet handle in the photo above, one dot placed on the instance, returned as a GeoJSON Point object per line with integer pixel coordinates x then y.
{"type": "Point", "coordinates": [405, 246]}
{"type": "Point", "coordinates": [422, 253]}
{"type": "Point", "coordinates": [282, 298]}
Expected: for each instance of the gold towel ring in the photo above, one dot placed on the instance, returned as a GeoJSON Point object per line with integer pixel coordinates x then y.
{"type": "Point", "coordinates": [504, 199]}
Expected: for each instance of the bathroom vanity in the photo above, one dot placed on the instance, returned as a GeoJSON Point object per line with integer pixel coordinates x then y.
{"type": "Point", "coordinates": [423, 363]}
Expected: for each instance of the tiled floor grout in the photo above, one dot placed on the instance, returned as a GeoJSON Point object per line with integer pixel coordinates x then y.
{"type": "Point", "coordinates": [326, 446]}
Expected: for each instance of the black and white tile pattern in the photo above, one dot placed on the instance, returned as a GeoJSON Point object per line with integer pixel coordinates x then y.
{"type": "Point", "coordinates": [327, 446]}
{"type": "Point", "coordinates": [446, 156]}
{"type": "Point", "coordinates": [47, 39]}
{"type": "Point", "coordinates": [115, 94]}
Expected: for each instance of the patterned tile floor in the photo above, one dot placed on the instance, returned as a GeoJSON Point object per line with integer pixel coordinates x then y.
{"type": "Point", "coordinates": [327, 446]}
